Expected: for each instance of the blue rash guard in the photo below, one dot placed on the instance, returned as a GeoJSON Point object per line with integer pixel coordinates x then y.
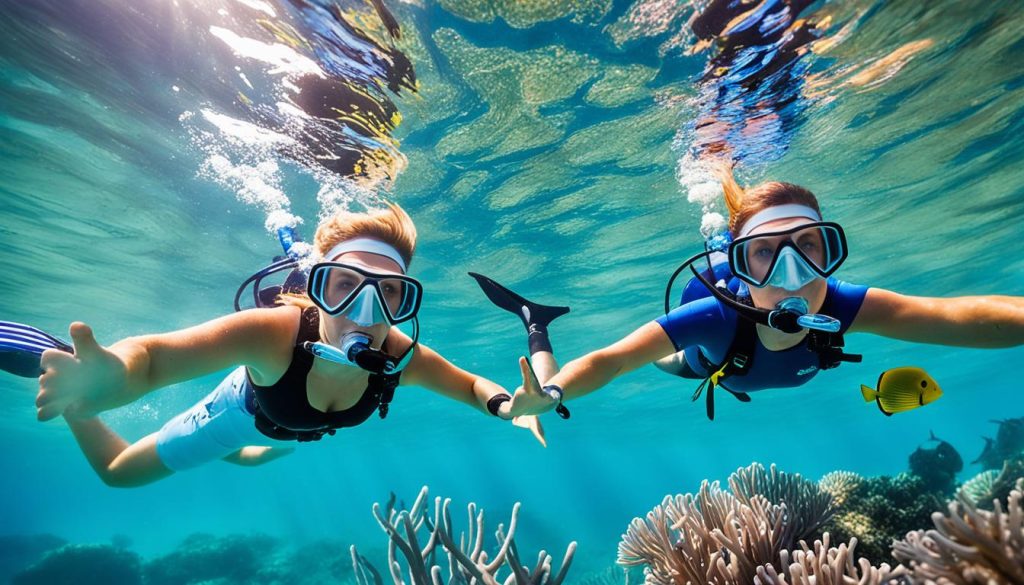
{"type": "Point", "coordinates": [705, 325]}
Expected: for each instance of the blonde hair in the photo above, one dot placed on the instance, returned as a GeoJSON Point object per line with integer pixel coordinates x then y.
{"type": "Point", "coordinates": [392, 226]}
{"type": "Point", "coordinates": [743, 203]}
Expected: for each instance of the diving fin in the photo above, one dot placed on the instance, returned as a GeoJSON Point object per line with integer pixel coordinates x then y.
{"type": "Point", "coordinates": [22, 345]}
{"type": "Point", "coordinates": [531, 313]}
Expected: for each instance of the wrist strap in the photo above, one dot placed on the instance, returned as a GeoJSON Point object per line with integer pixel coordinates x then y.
{"type": "Point", "coordinates": [555, 391]}
{"type": "Point", "coordinates": [495, 402]}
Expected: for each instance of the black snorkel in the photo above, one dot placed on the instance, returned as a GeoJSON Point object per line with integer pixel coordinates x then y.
{"type": "Point", "coordinates": [789, 317]}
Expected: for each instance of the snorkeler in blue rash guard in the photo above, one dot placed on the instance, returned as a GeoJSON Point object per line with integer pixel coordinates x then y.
{"type": "Point", "coordinates": [774, 315]}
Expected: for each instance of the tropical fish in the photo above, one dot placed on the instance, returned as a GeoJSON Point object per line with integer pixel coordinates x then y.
{"type": "Point", "coordinates": [902, 389]}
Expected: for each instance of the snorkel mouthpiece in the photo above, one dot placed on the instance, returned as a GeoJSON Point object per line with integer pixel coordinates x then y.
{"type": "Point", "coordinates": [794, 310]}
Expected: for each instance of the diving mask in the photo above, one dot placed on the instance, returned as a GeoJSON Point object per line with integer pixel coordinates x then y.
{"type": "Point", "coordinates": [364, 296]}
{"type": "Point", "coordinates": [789, 259]}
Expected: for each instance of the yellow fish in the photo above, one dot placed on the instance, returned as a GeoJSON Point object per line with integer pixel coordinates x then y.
{"type": "Point", "coordinates": [902, 389]}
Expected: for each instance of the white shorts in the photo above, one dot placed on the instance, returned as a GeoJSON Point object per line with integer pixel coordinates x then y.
{"type": "Point", "coordinates": [215, 427]}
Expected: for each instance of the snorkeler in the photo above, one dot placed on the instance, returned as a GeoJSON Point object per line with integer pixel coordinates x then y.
{"type": "Point", "coordinates": [772, 315]}
{"type": "Point", "coordinates": [317, 362]}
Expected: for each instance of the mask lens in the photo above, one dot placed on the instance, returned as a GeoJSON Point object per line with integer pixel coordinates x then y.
{"type": "Point", "coordinates": [821, 246]}
{"type": "Point", "coordinates": [400, 296]}
{"type": "Point", "coordinates": [336, 286]}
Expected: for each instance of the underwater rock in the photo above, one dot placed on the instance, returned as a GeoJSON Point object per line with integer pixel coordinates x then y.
{"type": "Point", "coordinates": [204, 557]}
{"type": "Point", "coordinates": [968, 545]}
{"type": "Point", "coordinates": [22, 550]}
{"type": "Point", "coordinates": [74, 564]}
{"type": "Point", "coordinates": [718, 536]}
{"type": "Point", "coordinates": [468, 562]}
{"type": "Point", "coordinates": [937, 464]}
{"type": "Point", "coordinates": [880, 510]}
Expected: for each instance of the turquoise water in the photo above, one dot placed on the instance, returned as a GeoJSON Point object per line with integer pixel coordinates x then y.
{"type": "Point", "coordinates": [550, 146]}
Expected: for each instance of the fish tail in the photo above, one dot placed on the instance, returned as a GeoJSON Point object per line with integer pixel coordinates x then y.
{"type": "Point", "coordinates": [869, 394]}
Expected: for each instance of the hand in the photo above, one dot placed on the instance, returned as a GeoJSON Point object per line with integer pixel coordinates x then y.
{"type": "Point", "coordinates": [72, 382]}
{"type": "Point", "coordinates": [530, 399]}
{"type": "Point", "coordinates": [532, 423]}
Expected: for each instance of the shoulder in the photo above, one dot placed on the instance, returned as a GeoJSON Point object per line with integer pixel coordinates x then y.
{"type": "Point", "coordinates": [689, 323]}
{"type": "Point", "coordinates": [265, 336]}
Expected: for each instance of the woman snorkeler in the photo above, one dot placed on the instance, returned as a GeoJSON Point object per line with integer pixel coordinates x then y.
{"type": "Point", "coordinates": [317, 362]}
{"type": "Point", "coordinates": [773, 316]}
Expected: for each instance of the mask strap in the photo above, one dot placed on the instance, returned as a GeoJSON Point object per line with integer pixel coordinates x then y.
{"type": "Point", "coordinates": [778, 212]}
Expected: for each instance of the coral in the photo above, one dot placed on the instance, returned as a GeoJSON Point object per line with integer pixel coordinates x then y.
{"type": "Point", "coordinates": [988, 486]}
{"type": "Point", "coordinates": [968, 545]}
{"type": "Point", "coordinates": [825, 564]}
{"type": "Point", "coordinates": [720, 537]}
{"type": "Point", "coordinates": [880, 510]}
{"type": "Point", "coordinates": [79, 563]}
{"type": "Point", "coordinates": [468, 562]}
{"type": "Point", "coordinates": [840, 484]}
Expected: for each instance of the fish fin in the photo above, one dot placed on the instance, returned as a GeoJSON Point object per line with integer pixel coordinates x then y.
{"type": "Point", "coordinates": [931, 434]}
{"type": "Point", "coordinates": [869, 394]}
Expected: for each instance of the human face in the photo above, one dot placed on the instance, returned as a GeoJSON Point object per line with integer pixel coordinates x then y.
{"type": "Point", "coordinates": [760, 256]}
{"type": "Point", "coordinates": [336, 326]}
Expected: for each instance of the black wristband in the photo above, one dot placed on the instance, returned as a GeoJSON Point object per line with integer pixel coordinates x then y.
{"type": "Point", "coordinates": [495, 402]}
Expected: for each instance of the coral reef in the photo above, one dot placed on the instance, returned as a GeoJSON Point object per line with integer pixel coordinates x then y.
{"type": "Point", "coordinates": [79, 563]}
{"type": "Point", "coordinates": [23, 550]}
{"type": "Point", "coordinates": [986, 487]}
{"type": "Point", "coordinates": [467, 562]}
{"type": "Point", "coordinates": [839, 485]}
{"type": "Point", "coordinates": [880, 510]}
{"type": "Point", "coordinates": [744, 536]}
{"type": "Point", "coordinates": [969, 545]}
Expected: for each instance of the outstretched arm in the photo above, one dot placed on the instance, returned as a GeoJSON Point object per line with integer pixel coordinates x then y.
{"type": "Point", "coordinates": [982, 321]}
{"type": "Point", "coordinates": [594, 370]}
{"type": "Point", "coordinates": [432, 371]}
{"type": "Point", "coordinates": [97, 378]}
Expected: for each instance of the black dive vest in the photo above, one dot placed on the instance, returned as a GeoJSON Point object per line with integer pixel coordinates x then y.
{"type": "Point", "coordinates": [740, 357]}
{"type": "Point", "coordinates": [283, 412]}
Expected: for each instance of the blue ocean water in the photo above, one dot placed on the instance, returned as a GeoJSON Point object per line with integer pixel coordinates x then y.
{"type": "Point", "coordinates": [557, 147]}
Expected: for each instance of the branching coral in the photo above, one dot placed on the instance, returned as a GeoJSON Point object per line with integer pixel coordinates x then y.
{"type": "Point", "coordinates": [726, 538]}
{"type": "Point", "coordinates": [468, 561]}
{"type": "Point", "coordinates": [969, 546]}
{"type": "Point", "coordinates": [826, 565]}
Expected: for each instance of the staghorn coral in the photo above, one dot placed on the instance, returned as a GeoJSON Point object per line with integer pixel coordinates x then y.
{"type": "Point", "coordinates": [840, 484]}
{"type": "Point", "coordinates": [468, 562]}
{"type": "Point", "coordinates": [825, 564]}
{"type": "Point", "coordinates": [720, 537]}
{"type": "Point", "coordinates": [883, 509]}
{"type": "Point", "coordinates": [969, 546]}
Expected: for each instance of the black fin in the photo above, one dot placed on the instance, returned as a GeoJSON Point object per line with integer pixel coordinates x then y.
{"type": "Point", "coordinates": [535, 313]}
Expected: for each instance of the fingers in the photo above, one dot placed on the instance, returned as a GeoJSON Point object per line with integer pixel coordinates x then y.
{"type": "Point", "coordinates": [533, 424]}
{"type": "Point", "coordinates": [82, 338]}
{"type": "Point", "coordinates": [530, 383]}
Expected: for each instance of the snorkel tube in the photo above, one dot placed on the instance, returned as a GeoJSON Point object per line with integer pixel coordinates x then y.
{"type": "Point", "coordinates": [789, 316]}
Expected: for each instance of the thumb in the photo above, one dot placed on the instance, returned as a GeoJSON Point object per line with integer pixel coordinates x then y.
{"type": "Point", "coordinates": [530, 383]}
{"type": "Point", "coordinates": [83, 340]}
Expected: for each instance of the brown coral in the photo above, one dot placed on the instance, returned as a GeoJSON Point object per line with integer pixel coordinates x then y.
{"type": "Point", "coordinates": [969, 546]}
